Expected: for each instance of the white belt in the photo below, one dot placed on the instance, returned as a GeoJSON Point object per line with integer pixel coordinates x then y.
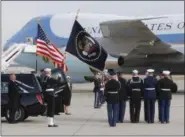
{"type": "Point", "coordinates": [112, 92]}
{"type": "Point", "coordinates": [150, 88]}
{"type": "Point", "coordinates": [165, 89]}
{"type": "Point", "coordinates": [101, 88]}
{"type": "Point", "coordinates": [136, 89]}
{"type": "Point", "coordinates": [49, 89]}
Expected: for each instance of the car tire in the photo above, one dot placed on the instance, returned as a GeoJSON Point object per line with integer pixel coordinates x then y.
{"type": "Point", "coordinates": [19, 115]}
{"type": "Point", "coordinates": [25, 117]}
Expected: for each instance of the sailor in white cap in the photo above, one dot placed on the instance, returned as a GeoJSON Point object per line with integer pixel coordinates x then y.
{"type": "Point", "coordinates": [49, 96]}
{"type": "Point", "coordinates": [135, 86]}
{"type": "Point", "coordinates": [150, 96]}
{"type": "Point", "coordinates": [165, 87]}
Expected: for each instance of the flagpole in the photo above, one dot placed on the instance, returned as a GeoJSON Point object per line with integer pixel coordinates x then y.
{"type": "Point", "coordinates": [76, 17]}
{"type": "Point", "coordinates": [36, 65]}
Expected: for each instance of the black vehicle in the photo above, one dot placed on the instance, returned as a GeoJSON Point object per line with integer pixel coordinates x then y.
{"type": "Point", "coordinates": [31, 98]}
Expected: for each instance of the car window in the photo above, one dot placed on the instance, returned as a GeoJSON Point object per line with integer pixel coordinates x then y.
{"type": "Point", "coordinates": [58, 75]}
{"type": "Point", "coordinates": [4, 87]}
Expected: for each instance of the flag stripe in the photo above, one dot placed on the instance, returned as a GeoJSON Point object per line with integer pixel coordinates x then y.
{"type": "Point", "coordinates": [48, 54]}
{"type": "Point", "coordinates": [46, 49]}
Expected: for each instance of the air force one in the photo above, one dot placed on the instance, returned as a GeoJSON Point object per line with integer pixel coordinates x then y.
{"type": "Point", "coordinates": [132, 42]}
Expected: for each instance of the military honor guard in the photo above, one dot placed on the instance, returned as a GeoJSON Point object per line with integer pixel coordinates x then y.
{"type": "Point", "coordinates": [49, 90]}
{"type": "Point", "coordinates": [150, 96]}
{"type": "Point", "coordinates": [123, 97]}
{"type": "Point", "coordinates": [112, 97]}
{"type": "Point", "coordinates": [135, 87]}
{"type": "Point", "coordinates": [97, 86]}
{"type": "Point", "coordinates": [165, 87]}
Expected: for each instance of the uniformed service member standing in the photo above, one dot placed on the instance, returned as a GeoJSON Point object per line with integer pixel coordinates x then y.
{"type": "Point", "coordinates": [135, 86]}
{"type": "Point", "coordinates": [49, 90]}
{"type": "Point", "coordinates": [97, 86]}
{"type": "Point", "coordinates": [150, 95]}
{"type": "Point", "coordinates": [145, 103]}
{"type": "Point", "coordinates": [112, 98]}
{"type": "Point", "coordinates": [164, 88]}
{"type": "Point", "coordinates": [123, 97]}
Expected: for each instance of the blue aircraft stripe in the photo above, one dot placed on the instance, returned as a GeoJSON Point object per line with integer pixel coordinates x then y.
{"type": "Point", "coordinates": [172, 38]}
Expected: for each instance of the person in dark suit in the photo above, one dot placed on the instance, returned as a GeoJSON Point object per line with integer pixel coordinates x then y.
{"type": "Point", "coordinates": [67, 97]}
{"type": "Point", "coordinates": [14, 98]}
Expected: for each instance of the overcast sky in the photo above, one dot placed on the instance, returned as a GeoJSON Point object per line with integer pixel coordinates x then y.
{"type": "Point", "coordinates": [16, 13]}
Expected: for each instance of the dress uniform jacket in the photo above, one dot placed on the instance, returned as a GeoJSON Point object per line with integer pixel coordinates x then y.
{"type": "Point", "coordinates": [165, 87]}
{"type": "Point", "coordinates": [49, 95]}
{"type": "Point", "coordinates": [135, 87]}
{"type": "Point", "coordinates": [150, 87]}
{"type": "Point", "coordinates": [123, 92]}
{"type": "Point", "coordinates": [111, 91]}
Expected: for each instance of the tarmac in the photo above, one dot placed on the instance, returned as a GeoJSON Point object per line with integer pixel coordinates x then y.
{"type": "Point", "coordinates": [87, 121]}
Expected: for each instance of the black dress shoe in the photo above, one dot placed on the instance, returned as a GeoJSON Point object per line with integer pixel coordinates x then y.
{"type": "Point", "coordinates": [57, 114]}
{"type": "Point", "coordinates": [53, 125]}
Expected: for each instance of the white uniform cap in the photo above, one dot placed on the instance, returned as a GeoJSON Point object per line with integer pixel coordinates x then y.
{"type": "Point", "coordinates": [150, 70]}
{"type": "Point", "coordinates": [135, 71]}
{"type": "Point", "coordinates": [166, 72]}
{"type": "Point", "coordinates": [47, 70]}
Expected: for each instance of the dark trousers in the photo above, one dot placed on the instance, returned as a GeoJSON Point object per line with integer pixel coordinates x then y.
{"type": "Point", "coordinates": [150, 110]}
{"type": "Point", "coordinates": [159, 116]}
{"type": "Point", "coordinates": [13, 107]}
{"type": "Point", "coordinates": [50, 105]}
{"type": "Point", "coordinates": [12, 115]}
{"type": "Point", "coordinates": [121, 111]}
{"type": "Point", "coordinates": [135, 107]}
{"type": "Point", "coordinates": [112, 111]}
{"type": "Point", "coordinates": [97, 98]}
{"type": "Point", "coordinates": [165, 110]}
{"type": "Point", "coordinates": [58, 105]}
{"type": "Point", "coordinates": [145, 110]}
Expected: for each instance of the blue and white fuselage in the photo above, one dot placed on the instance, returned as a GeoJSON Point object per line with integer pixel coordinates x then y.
{"type": "Point", "coordinates": [58, 28]}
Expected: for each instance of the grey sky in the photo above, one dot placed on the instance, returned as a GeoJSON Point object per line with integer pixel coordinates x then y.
{"type": "Point", "coordinates": [16, 13]}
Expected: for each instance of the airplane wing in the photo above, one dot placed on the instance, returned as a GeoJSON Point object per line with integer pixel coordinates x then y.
{"type": "Point", "coordinates": [133, 37]}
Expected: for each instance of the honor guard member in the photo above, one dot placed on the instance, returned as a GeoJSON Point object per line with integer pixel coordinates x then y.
{"type": "Point", "coordinates": [145, 107]}
{"type": "Point", "coordinates": [135, 86]}
{"type": "Point", "coordinates": [164, 89]}
{"type": "Point", "coordinates": [150, 95]}
{"type": "Point", "coordinates": [123, 97]}
{"type": "Point", "coordinates": [14, 98]}
{"type": "Point", "coordinates": [49, 90]}
{"type": "Point", "coordinates": [97, 86]}
{"type": "Point", "coordinates": [112, 98]}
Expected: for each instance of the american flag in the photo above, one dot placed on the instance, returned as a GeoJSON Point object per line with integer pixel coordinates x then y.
{"type": "Point", "coordinates": [47, 49]}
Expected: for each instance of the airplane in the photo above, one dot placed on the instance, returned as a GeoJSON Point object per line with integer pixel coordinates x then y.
{"type": "Point", "coordinates": [132, 42]}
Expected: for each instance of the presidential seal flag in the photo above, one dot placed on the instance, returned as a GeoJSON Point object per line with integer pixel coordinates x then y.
{"type": "Point", "coordinates": [86, 48]}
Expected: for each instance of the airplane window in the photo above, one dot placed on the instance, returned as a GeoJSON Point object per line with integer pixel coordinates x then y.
{"type": "Point", "coordinates": [4, 87]}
